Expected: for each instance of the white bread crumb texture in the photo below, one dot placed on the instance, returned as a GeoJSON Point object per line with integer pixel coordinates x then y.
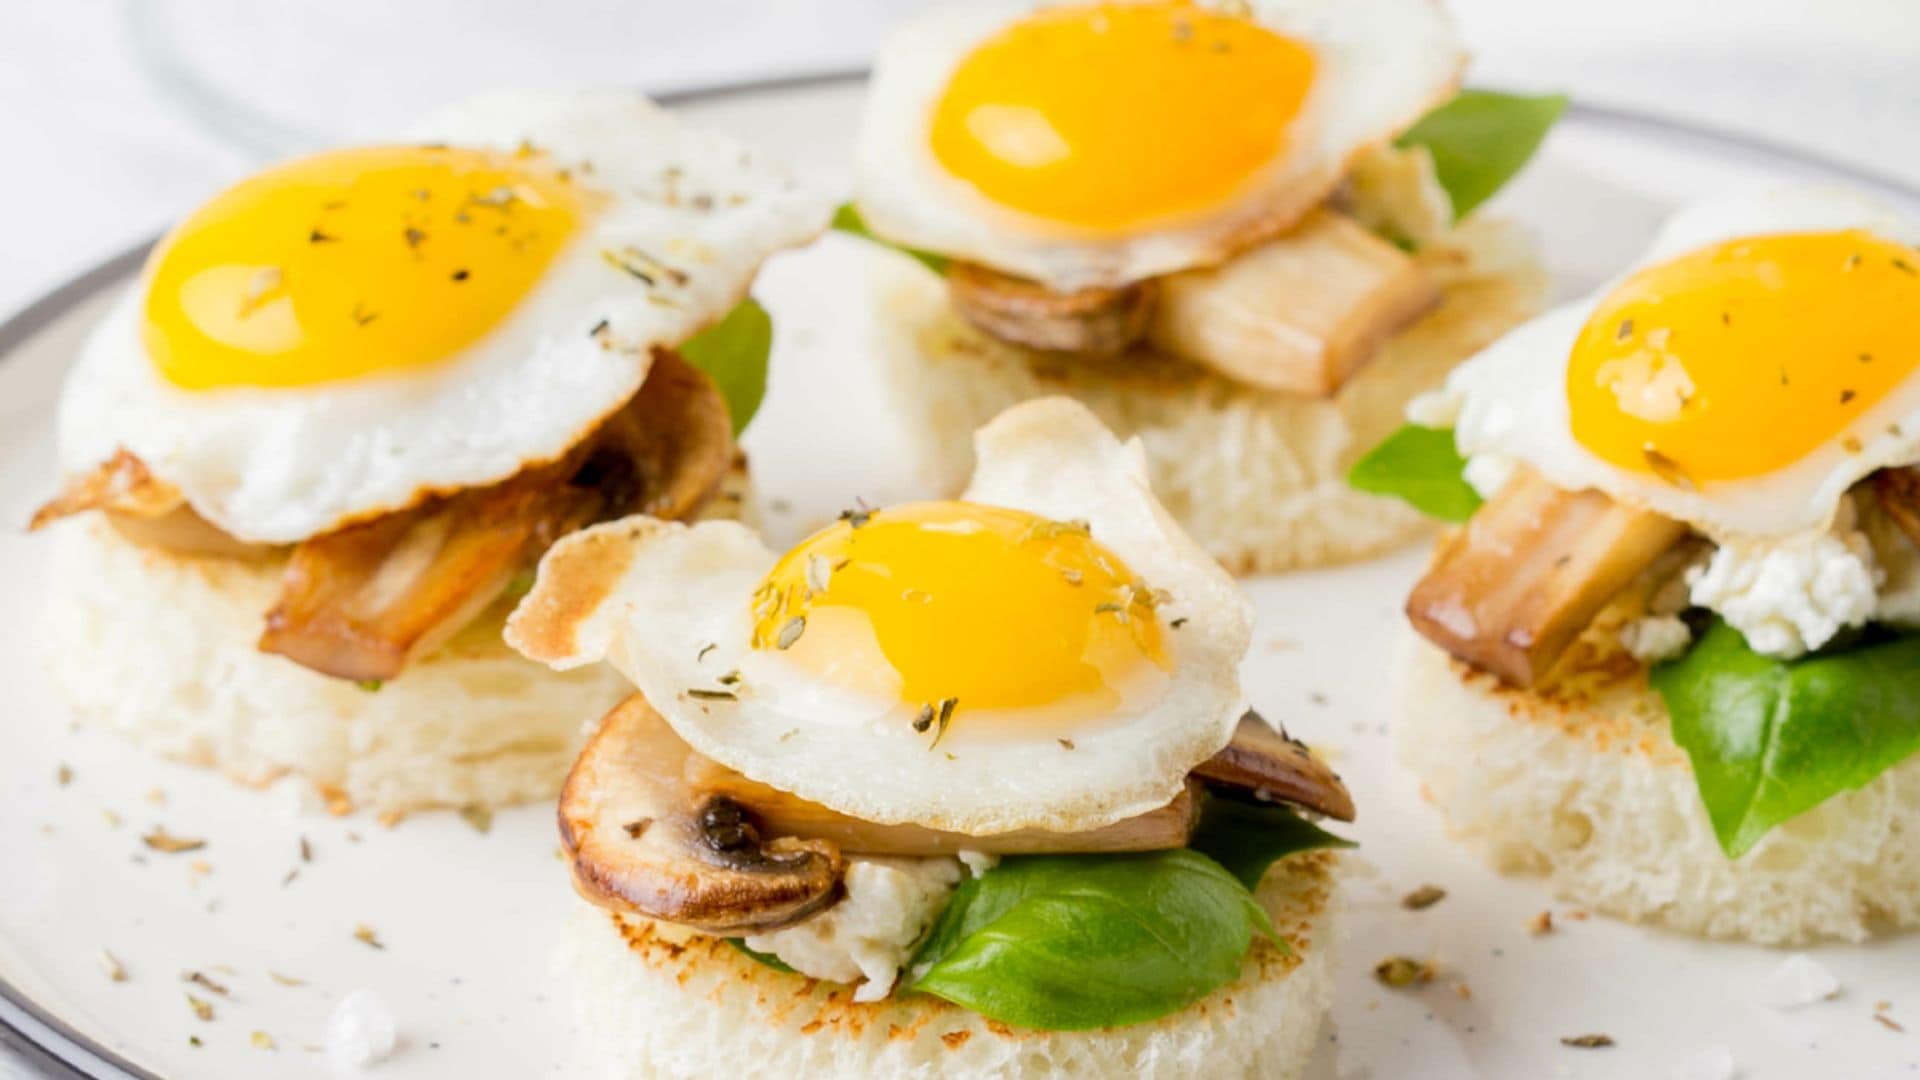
{"type": "Point", "coordinates": [650, 1001]}
{"type": "Point", "coordinates": [1593, 795]}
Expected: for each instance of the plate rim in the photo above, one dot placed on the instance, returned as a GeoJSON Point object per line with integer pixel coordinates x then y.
{"type": "Point", "coordinates": [76, 1059]}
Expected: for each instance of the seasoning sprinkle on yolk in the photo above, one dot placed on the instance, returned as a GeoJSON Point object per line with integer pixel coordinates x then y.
{"type": "Point", "coordinates": [351, 263]}
{"type": "Point", "coordinates": [1109, 116]}
{"type": "Point", "coordinates": [1738, 359]}
{"type": "Point", "coordinates": [997, 608]}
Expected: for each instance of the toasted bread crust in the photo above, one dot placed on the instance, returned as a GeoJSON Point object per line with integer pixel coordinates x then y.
{"type": "Point", "coordinates": [651, 1000]}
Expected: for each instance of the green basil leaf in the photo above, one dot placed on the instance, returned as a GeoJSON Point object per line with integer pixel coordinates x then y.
{"type": "Point", "coordinates": [1069, 942]}
{"type": "Point", "coordinates": [1420, 466]}
{"type": "Point", "coordinates": [1480, 139]}
{"type": "Point", "coordinates": [1249, 837]}
{"type": "Point", "coordinates": [1771, 739]}
{"type": "Point", "coordinates": [767, 959]}
{"type": "Point", "coordinates": [847, 219]}
{"type": "Point", "coordinates": [733, 352]}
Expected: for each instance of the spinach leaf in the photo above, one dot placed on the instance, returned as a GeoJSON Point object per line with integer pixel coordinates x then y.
{"type": "Point", "coordinates": [1770, 739]}
{"type": "Point", "coordinates": [767, 959]}
{"type": "Point", "coordinates": [1420, 466]}
{"type": "Point", "coordinates": [847, 219]}
{"type": "Point", "coordinates": [1069, 942]}
{"type": "Point", "coordinates": [1480, 139]}
{"type": "Point", "coordinates": [1249, 837]}
{"type": "Point", "coordinates": [733, 352]}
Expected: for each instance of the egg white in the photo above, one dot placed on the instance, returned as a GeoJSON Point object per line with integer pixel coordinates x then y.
{"type": "Point", "coordinates": [281, 465]}
{"type": "Point", "coordinates": [1382, 64]}
{"type": "Point", "coordinates": [679, 617]}
{"type": "Point", "coordinates": [1512, 397]}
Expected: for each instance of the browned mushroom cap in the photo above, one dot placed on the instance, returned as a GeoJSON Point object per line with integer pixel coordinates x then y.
{"type": "Point", "coordinates": [1102, 321]}
{"type": "Point", "coordinates": [643, 841]}
{"type": "Point", "coordinates": [1273, 766]}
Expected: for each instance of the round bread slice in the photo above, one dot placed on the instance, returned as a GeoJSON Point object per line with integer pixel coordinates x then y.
{"type": "Point", "coordinates": [161, 649]}
{"type": "Point", "coordinates": [1584, 786]}
{"type": "Point", "coordinates": [651, 1000]}
{"type": "Point", "coordinates": [1257, 477]}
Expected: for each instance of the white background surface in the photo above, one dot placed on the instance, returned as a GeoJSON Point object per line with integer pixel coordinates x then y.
{"type": "Point", "coordinates": [102, 150]}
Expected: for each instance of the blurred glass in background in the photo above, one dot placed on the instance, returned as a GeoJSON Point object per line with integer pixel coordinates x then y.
{"type": "Point", "coordinates": [277, 77]}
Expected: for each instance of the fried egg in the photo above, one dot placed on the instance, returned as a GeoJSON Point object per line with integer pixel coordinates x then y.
{"type": "Point", "coordinates": [1760, 359]}
{"type": "Point", "coordinates": [1097, 144]}
{"type": "Point", "coordinates": [345, 334]}
{"type": "Point", "coordinates": [1048, 651]}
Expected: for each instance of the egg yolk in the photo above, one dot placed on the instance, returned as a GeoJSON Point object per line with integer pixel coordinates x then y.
{"type": "Point", "coordinates": [351, 263]}
{"type": "Point", "coordinates": [979, 606]}
{"type": "Point", "coordinates": [1108, 116]}
{"type": "Point", "coordinates": [1743, 357]}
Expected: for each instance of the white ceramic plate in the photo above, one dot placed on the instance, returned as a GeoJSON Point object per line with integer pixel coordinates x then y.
{"type": "Point", "coordinates": [468, 921]}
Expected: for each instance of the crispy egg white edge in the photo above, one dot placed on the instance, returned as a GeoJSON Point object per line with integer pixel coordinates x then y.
{"type": "Point", "coordinates": [281, 465]}
{"type": "Point", "coordinates": [687, 588]}
{"type": "Point", "coordinates": [906, 197]}
{"type": "Point", "coordinates": [1513, 399]}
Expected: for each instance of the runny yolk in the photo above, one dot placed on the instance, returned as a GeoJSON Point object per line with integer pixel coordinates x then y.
{"type": "Point", "coordinates": [1108, 116]}
{"type": "Point", "coordinates": [1737, 359]}
{"type": "Point", "coordinates": [351, 263]}
{"type": "Point", "coordinates": [987, 607]}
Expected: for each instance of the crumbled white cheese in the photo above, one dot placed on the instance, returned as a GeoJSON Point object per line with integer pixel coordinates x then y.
{"type": "Point", "coordinates": [359, 1031]}
{"type": "Point", "coordinates": [1800, 980]}
{"type": "Point", "coordinates": [1653, 638]}
{"type": "Point", "coordinates": [1710, 1063]}
{"type": "Point", "coordinates": [1489, 472]}
{"type": "Point", "coordinates": [1790, 595]}
{"type": "Point", "coordinates": [867, 937]}
{"type": "Point", "coordinates": [978, 862]}
{"type": "Point", "coordinates": [1438, 408]}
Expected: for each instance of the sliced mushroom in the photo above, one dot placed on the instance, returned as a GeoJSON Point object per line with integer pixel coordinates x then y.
{"type": "Point", "coordinates": [1267, 763]}
{"type": "Point", "coordinates": [643, 841]}
{"type": "Point", "coordinates": [1099, 321]}
{"type": "Point", "coordinates": [1299, 313]}
{"type": "Point", "coordinates": [361, 602]}
{"type": "Point", "coordinates": [678, 434]}
{"type": "Point", "coordinates": [144, 509]}
{"type": "Point", "coordinates": [183, 532]}
{"type": "Point", "coordinates": [1511, 590]}
{"type": "Point", "coordinates": [1898, 491]}
{"type": "Point", "coordinates": [783, 814]}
